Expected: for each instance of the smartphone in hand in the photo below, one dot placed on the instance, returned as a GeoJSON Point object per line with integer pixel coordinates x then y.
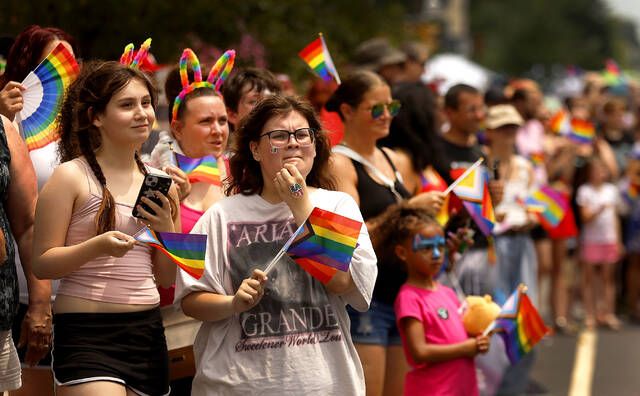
{"type": "Point", "coordinates": [152, 182]}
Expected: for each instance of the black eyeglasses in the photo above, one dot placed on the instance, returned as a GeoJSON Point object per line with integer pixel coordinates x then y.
{"type": "Point", "coordinates": [280, 138]}
{"type": "Point", "coordinates": [377, 110]}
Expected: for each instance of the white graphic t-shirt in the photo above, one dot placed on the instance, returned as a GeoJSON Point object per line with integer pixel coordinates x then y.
{"type": "Point", "coordinates": [296, 340]}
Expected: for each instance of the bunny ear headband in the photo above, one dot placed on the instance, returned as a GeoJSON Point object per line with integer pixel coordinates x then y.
{"type": "Point", "coordinates": [219, 72]}
{"type": "Point", "coordinates": [128, 59]}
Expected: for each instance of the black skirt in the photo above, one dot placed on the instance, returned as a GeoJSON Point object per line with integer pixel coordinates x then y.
{"type": "Point", "coordinates": [128, 348]}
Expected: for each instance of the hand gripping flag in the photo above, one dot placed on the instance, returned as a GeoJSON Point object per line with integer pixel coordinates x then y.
{"type": "Point", "coordinates": [186, 250]}
{"type": "Point", "coordinates": [204, 170]}
{"type": "Point", "coordinates": [45, 89]}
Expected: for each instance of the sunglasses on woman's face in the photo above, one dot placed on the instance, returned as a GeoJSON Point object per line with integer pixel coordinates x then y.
{"type": "Point", "coordinates": [393, 107]}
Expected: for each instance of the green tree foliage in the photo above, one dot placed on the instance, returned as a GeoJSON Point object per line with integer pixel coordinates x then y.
{"type": "Point", "coordinates": [511, 36]}
{"type": "Point", "coordinates": [265, 32]}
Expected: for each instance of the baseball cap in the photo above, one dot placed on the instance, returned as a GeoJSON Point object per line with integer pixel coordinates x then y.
{"type": "Point", "coordinates": [376, 53]}
{"type": "Point", "coordinates": [501, 115]}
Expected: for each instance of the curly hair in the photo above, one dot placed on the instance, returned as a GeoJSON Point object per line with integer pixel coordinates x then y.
{"type": "Point", "coordinates": [246, 177]}
{"type": "Point", "coordinates": [395, 226]}
{"type": "Point", "coordinates": [88, 95]}
{"type": "Point", "coordinates": [26, 52]}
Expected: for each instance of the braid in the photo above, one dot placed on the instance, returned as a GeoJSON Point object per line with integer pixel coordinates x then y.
{"type": "Point", "coordinates": [140, 164]}
{"type": "Point", "coordinates": [106, 217]}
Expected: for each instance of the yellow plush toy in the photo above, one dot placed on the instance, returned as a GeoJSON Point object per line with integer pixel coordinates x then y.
{"type": "Point", "coordinates": [479, 313]}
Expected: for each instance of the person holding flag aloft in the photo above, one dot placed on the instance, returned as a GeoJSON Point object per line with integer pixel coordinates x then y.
{"type": "Point", "coordinates": [285, 332]}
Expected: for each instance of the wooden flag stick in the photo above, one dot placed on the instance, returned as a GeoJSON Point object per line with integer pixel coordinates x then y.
{"type": "Point", "coordinates": [282, 251]}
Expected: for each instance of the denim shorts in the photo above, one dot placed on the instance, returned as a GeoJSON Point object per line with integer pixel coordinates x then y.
{"type": "Point", "coordinates": [376, 326]}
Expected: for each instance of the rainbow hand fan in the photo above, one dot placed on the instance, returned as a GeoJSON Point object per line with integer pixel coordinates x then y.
{"type": "Point", "coordinates": [45, 88]}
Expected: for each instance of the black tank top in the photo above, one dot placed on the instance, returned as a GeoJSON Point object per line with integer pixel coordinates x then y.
{"type": "Point", "coordinates": [375, 198]}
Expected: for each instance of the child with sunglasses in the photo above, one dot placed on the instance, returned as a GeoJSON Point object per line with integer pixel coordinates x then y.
{"type": "Point", "coordinates": [435, 342]}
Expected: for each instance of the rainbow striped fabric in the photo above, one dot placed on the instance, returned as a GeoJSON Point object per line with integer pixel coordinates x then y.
{"type": "Point", "coordinates": [325, 244]}
{"type": "Point", "coordinates": [45, 88]}
{"type": "Point", "coordinates": [200, 170]}
{"type": "Point", "coordinates": [520, 325]}
{"type": "Point", "coordinates": [317, 56]}
{"type": "Point", "coordinates": [474, 193]}
{"type": "Point", "coordinates": [582, 131]}
{"type": "Point", "coordinates": [555, 206]}
{"type": "Point", "coordinates": [576, 130]}
{"type": "Point", "coordinates": [186, 250]}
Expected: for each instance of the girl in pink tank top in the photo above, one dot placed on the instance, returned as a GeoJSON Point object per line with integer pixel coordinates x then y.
{"type": "Point", "coordinates": [107, 321]}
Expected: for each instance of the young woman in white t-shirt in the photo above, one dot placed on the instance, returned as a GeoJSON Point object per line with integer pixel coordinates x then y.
{"type": "Point", "coordinates": [600, 244]}
{"type": "Point", "coordinates": [288, 334]}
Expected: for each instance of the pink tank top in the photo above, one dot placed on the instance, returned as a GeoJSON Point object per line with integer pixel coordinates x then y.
{"type": "Point", "coordinates": [125, 280]}
{"type": "Point", "coordinates": [189, 217]}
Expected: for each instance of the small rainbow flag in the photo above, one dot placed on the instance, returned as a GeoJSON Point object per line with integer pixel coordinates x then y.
{"type": "Point", "coordinates": [612, 75]}
{"type": "Point", "coordinates": [537, 159]}
{"type": "Point", "coordinates": [325, 244]}
{"type": "Point", "coordinates": [200, 170]}
{"type": "Point", "coordinates": [632, 192]}
{"type": "Point", "coordinates": [317, 56]}
{"type": "Point", "coordinates": [575, 129]}
{"type": "Point", "coordinates": [582, 131]}
{"type": "Point", "coordinates": [45, 88]}
{"type": "Point", "coordinates": [520, 325]}
{"type": "Point", "coordinates": [560, 123]}
{"type": "Point", "coordinates": [186, 250]}
{"type": "Point", "coordinates": [474, 193]}
{"type": "Point", "coordinates": [555, 206]}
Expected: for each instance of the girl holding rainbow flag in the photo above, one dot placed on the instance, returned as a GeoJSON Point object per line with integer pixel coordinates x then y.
{"type": "Point", "coordinates": [288, 334]}
{"type": "Point", "coordinates": [109, 337]}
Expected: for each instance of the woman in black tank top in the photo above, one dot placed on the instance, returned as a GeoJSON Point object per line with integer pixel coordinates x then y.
{"type": "Point", "coordinates": [370, 175]}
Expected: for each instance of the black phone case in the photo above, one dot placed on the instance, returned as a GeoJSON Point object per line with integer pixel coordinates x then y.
{"type": "Point", "coordinates": [152, 182]}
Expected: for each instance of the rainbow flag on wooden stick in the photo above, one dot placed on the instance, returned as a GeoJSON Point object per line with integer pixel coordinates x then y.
{"type": "Point", "coordinates": [519, 324]}
{"type": "Point", "coordinates": [45, 89]}
{"type": "Point", "coordinates": [322, 245]}
{"type": "Point", "coordinates": [473, 190]}
{"type": "Point", "coordinates": [200, 170]}
{"type": "Point", "coordinates": [317, 56]}
{"type": "Point", "coordinates": [186, 250]}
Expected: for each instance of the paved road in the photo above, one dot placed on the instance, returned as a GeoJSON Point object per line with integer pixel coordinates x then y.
{"type": "Point", "coordinates": [608, 363]}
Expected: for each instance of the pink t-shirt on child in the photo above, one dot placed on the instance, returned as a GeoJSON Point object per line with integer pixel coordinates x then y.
{"type": "Point", "coordinates": [438, 311]}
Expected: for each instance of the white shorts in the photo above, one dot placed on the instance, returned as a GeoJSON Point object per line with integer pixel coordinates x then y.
{"type": "Point", "coordinates": [10, 373]}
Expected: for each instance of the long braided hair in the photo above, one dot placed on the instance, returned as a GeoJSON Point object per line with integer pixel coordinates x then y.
{"type": "Point", "coordinates": [86, 97]}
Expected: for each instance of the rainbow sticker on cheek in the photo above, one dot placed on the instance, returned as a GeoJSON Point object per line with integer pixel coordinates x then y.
{"type": "Point", "coordinates": [436, 244]}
